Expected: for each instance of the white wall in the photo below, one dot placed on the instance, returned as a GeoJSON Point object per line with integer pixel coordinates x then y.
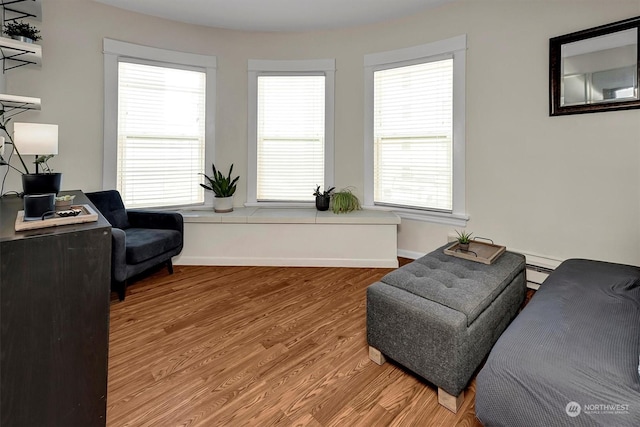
{"type": "Point", "coordinates": [554, 186]}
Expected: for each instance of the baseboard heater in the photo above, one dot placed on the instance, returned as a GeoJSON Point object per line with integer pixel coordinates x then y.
{"type": "Point", "coordinates": [536, 274]}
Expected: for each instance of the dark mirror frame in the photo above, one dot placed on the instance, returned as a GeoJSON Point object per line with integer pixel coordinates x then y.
{"type": "Point", "coordinates": [555, 78]}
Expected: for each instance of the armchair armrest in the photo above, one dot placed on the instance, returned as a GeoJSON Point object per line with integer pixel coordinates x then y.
{"type": "Point", "coordinates": [118, 255]}
{"type": "Point", "coordinates": [156, 219]}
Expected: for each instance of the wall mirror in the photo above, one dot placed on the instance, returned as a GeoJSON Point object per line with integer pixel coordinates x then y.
{"type": "Point", "coordinates": [595, 70]}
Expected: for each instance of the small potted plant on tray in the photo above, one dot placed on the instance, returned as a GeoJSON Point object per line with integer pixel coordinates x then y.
{"type": "Point", "coordinates": [63, 203]}
{"type": "Point", "coordinates": [464, 239]}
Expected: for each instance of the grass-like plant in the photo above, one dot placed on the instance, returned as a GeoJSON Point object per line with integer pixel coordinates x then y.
{"type": "Point", "coordinates": [222, 186]}
{"type": "Point", "coordinates": [463, 237]}
{"type": "Point", "coordinates": [345, 201]}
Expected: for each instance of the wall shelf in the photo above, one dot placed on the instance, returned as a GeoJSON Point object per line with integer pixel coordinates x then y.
{"type": "Point", "coordinates": [19, 9]}
{"type": "Point", "coordinates": [15, 53]}
{"type": "Point", "coordinates": [14, 104]}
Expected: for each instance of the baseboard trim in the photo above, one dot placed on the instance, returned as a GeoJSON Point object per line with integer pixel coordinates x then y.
{"type": "Point", "coordinates": [287, 262]}
{"type": "Point", "coordinates": [543, 261]}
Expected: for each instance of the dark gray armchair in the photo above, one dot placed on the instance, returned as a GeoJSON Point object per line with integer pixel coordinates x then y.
{"type": "Point", "coordinates": [140, 239]}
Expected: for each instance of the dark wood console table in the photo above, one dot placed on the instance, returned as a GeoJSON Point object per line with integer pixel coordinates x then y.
{"type": "Point", "coordinates": [54, 321]}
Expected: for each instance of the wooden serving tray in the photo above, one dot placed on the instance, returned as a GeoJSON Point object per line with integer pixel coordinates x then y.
{"type": "Point", "coordinates": [88, 214]}
{"type": "Point", "coordinates": [485, 253]}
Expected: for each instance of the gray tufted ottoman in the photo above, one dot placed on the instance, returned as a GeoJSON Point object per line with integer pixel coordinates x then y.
{"type": "Point", "coordinates": [440, 315]}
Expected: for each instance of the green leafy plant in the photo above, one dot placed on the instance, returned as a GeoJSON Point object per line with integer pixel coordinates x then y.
{"type": "Point", "coordinates": [42, 162]}
{"type": "Point", "coordinates": [463, 237]}
{"type": "Point", "coordinates": [327, 193]}
{"type": "Point", "coordinates": [345, 201]}
{"type": "Point", "coordinates": [222, 186]}
{"type": "Point", "coordinates": [21, 28]}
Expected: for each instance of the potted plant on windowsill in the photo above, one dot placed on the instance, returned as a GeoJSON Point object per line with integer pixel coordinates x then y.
{"type": "Point", "coordinates": [22, 31]}
{"type": "Point", "coordinates": [323, 198]}
{"type": "Point", "coordinates": [223, 188]}
{"type": "Point", "coordinates": [345, 201]}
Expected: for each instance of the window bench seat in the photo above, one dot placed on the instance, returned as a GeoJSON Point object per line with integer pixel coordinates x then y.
{"type": "Point", "coordinates": [289, 237]}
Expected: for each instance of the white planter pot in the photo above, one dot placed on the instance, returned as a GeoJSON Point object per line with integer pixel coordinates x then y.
{"type": "Point", "coordinates": [22, 39]}
{"type": "Point", "coordinates": [223, 204]}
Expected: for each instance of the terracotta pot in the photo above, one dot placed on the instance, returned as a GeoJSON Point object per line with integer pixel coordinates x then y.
{"type": "Point", "coordinates": [63, 205]}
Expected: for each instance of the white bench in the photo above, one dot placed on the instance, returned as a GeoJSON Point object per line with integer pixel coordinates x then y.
{"type": "Point", "coordinates": [289, 237]}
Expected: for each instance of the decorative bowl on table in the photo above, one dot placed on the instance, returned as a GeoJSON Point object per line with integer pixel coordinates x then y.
{"type": "Point", "coordinates": [69, 212]}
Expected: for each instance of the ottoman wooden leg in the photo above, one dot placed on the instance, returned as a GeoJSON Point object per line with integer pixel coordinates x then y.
{"type": "Point", "coordinates": [452, 403]}
{"type": "Point", "coordinates": [376, 356]}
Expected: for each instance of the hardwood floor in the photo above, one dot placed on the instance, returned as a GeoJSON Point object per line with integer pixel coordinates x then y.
{"type": "Point", "coordinates": [263, 346]}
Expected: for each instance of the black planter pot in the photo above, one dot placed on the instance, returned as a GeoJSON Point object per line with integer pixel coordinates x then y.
{"type": "Point", "coordinates": [41, 183]}
{"type": "Point", "coordinates": [322, 202]}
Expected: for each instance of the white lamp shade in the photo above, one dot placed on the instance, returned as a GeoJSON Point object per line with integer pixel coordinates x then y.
{"type": "Point", "coordinates": [35, 138]}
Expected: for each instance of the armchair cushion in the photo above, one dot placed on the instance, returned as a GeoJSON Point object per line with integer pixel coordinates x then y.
{"type": "Point", "coordinates": [145, 243]}
{"type": "Point", "coordinates": [155, 219]}
{"type": "Point", "coordinates": [118, 218]}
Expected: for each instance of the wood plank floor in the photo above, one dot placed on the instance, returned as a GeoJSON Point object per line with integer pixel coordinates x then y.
{"type": "Point", "coordinates": [234, 346]}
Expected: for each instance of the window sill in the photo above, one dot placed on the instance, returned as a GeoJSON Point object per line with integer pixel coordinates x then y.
{"type": "Point", "coordinates": [253, 215]}
{"type": "Point", "coordinates": [455, 220]}
{"type": "Point", "coordinates": [283, 205]}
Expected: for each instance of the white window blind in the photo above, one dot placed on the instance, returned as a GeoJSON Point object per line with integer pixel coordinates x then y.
{"type": "Point", "coordinates": [161, 135]}
{"type": "Point", "coordinates": [290, 137]}
{"type": "Point", "coordinates": [413, 136]}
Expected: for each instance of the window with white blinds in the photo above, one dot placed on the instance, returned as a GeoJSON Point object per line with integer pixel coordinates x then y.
{"type": "Point", "coordinates": [290, 130]}
{"type": "Point", "coordinates": [161, 135]}
{"type": "Point", "coordinates": [290, 140]}
{"type": "Point", "coordinates": [414, 156]}
{"type": "Point", "coordinates": [413, 135]}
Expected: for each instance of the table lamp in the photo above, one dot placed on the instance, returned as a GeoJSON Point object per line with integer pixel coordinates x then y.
{"type": "Point", "coordinates": [35, 139]}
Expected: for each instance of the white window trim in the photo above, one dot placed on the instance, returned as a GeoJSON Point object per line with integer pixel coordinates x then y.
{"type": "Point", "coordinates": [115, 50]}
{"type": "Point", "coordinates": [257, 67]}
{"type": "Point", "coordinates": [378, 61]}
